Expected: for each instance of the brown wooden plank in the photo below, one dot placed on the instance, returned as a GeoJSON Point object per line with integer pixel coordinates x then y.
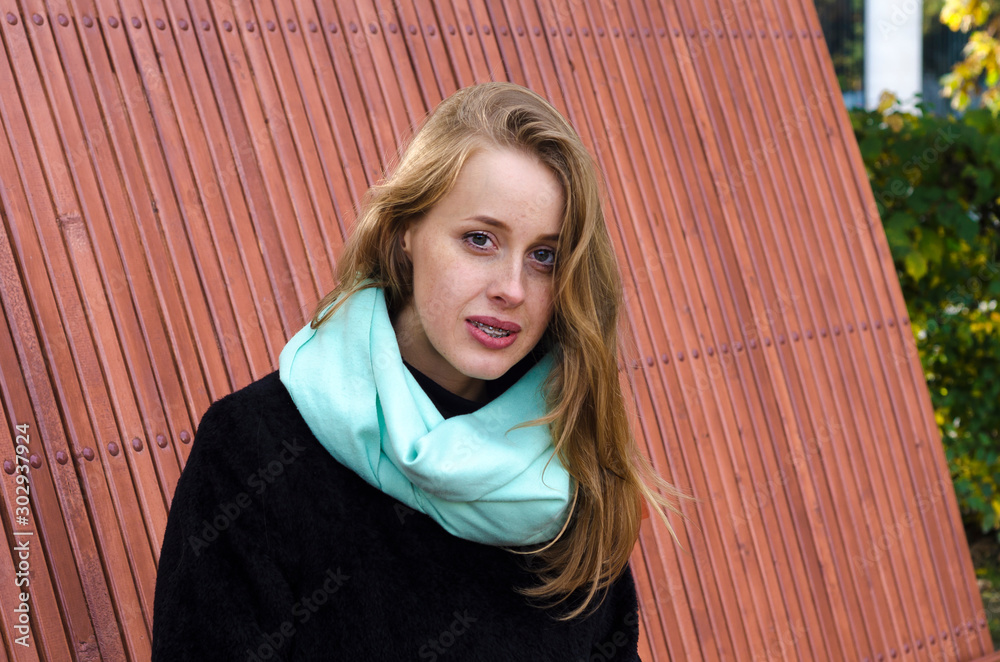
{"type": "Point", "coordinates": [25, 204]}
{"type": "Point", "coordinates": [79, 262]}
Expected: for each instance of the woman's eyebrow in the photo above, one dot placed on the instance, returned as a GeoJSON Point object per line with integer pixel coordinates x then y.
{"type": "Point", "coordinates": [489, 220]}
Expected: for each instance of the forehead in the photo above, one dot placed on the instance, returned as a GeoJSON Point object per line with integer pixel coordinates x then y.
{"type": "Point", "coordinates": [507, 185]}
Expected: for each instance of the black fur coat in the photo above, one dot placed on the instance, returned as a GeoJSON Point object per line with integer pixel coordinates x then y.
{"type": "Point", "coordinates": [275, 551]}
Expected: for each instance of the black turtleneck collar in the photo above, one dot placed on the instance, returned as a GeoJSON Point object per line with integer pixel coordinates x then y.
{"type": "Point", "coordinates": [451, 404]}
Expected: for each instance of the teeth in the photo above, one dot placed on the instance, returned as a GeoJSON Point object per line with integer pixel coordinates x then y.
{"type": "Point", "coordinates": [492, 331]}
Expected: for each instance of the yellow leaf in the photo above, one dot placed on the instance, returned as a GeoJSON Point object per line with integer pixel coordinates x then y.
{"type": "Point", "coordinates": [886, 101]}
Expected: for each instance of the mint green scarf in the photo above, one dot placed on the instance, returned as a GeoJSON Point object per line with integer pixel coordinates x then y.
{"type": "Point", "coordinates": [477, 478]}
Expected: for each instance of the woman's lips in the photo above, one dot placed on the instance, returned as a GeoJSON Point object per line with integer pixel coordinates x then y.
{"type": "Point", "coordinates": [489, 341]}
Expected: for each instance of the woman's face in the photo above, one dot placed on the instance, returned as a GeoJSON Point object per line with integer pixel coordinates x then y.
{"type": "Point", "coordinates": [482, 271]}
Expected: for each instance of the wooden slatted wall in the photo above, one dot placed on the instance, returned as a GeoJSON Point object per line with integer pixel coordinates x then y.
{"type": "Point", "coordinates": [176, 180]}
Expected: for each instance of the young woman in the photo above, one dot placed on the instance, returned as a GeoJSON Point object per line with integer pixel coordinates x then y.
{"type": "Point", "coordinates": [442, 466]}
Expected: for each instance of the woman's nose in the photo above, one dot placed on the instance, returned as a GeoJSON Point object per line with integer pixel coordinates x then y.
{"type": "Point", "coordinates": [508, 283]}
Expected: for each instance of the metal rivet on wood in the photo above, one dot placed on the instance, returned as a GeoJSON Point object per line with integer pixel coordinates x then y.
{"type": "Point", "coordinates": [795, 336]}
{"type": "Point", "coordinates": [185, 437]}
{"type": "Point", "coordinates": [486, 29]}
{"type": "Point", "coordinates": [37, 19]}
{"type": "Point", "coordinates": [62, 20]}
{"type": "Point", "coordinates": [781, 339]}
{"type": "Point", "coordinates": [451, 29]}
{"type": "Point", "coordinates": [353, 27]}
{"type": "Point", "coordinates": [393, 28]}
{"type": "Point", "coordinates": [86, 20]}
{"type": "Point", "coordinates": [767, 342]}
{"type": "Point", "coordinates": [270, 26]}
{"type": "Point", "coordinates": [753, 343]}
{"type": "Point", "coordinates": [160, 25]}
{"type": "Point", "coordinates": [88, 454]}
{"type": "Point", "coordinates": [136, 23]}
{"type": "Point", "coordinates": [649, 361]}
{"type": "Point", "coordinates": [11, 18]}
{"type": "Point", "coordinates": [206, 26]}
{"type": "Point", "coordinates": [695, 354]}
{"type": "Point", "coordinates": [250, 26]}
{"type": "Point", "coordinates": [312, 26]}
{"type": "Point", "coordinates": [36, 462]}
{"type": "Point", "coordinates": [61, 457]}
{"type": "Point", "coordinates": [664, 358]}
{"type": "Point", "coordinates": [635, 364]}
{"type": "Point", "coordinates": [182, 24]}
{"type": "Point", "coordinates": [113, 448]}
{"type": "Point", "coordinates": [680, 356]}
{"type": "Point", "coordinates": [431, 30]}
{"type": "Point", "coordinates": [724, 348]}
{"type": "Point", "coordinates": [372, 28]}
{"type": "Point", "coordinates": [585, 31]}
{"type": "Point", "coordinates": [8, 466]}
{"type": "Point", "coordinates": [290, 24]}
{"type": "Point", "coordinates": [227, 26]}
{"type": "Point", "coordinates": [809, 334]}
{"type": "Point", "coordinates": [710, 351]}
{"type": "Point", "coordinates": [136, 444]}
{"type": "Point", "coordinates": [161, 440]}
{"type": "Point", "coordinates": [469, 29]}
{"type": "Point", "coordinates": [412, 29]}
{"type": "Point", "coordinates": [503, 30]}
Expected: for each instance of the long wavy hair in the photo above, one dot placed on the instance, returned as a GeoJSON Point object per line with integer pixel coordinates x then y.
{"type": "Point", "coordinates": [586, 407]}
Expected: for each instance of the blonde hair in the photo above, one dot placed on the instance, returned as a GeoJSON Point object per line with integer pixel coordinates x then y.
{"type": "Point", "coordinates": [586, 407]}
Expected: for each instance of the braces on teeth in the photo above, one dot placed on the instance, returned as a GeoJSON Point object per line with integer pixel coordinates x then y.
{"type": "Point", "coordinates": [492, 331]}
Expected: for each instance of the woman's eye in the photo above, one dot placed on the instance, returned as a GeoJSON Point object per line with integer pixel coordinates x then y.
{"type": "Point", "coordinates": [545, 256]}
{"type": "Point", "coordinates": [478, 239]}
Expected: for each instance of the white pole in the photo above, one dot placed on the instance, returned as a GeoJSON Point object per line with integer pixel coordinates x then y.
{"type": "Point", "coordinates": [893, 49]}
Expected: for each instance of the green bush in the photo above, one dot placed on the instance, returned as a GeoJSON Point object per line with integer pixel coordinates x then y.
{"type": "Point", "coordinates": [937, 183]}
